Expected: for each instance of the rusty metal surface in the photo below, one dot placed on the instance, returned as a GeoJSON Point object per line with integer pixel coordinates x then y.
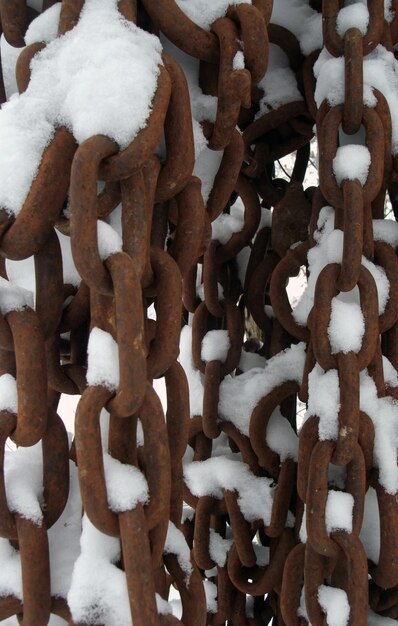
{"type": "Point", "coordinates": [277, 561]}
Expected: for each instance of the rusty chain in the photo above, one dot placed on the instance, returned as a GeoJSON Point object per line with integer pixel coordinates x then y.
{"type": "Point", "coordinates": [170, 258]}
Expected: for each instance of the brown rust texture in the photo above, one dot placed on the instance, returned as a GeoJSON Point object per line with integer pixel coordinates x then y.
{"type": "Point", "coordinates": [169, 259]}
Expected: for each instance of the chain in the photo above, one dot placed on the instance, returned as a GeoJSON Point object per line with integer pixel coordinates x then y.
{"type": "Point", "coordinates": [149, 272]}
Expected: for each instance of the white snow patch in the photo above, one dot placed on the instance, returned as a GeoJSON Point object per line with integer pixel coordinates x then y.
{"type": "Point", "coordinates": [10, 570]}
{"type": "Point", "coordinates": [206, 167]}
{"type": "Point", "coordinates": [176, 544]}
{"type": "Point", "coordinates": [351, 162]}
{"type": "Point", "coordinates": [109, 241]}
{"type": "Point", "coordinates": [13, 298]}
{"type": "Point", "coordinates": [8, 393]}
{"type": "Point", "coordinates": [125, 485]}
{"type": "Point", "coordinates": [70, 273]}
{"type": "Point", "coordinates": [346, 327]}
{"type": "Point", "coordinates": [329, 249]}
{"type": "Point", "coordinates": [384, 414]}
{"type": "Point", "coordinates": [334, 602]}
{"type": "Point", "coordinates": [98, 592]}
{"type": "Point", "coordinates": [238, 62]}
{"type": "Point", "coordinates": [211, 596]}
{"type": "Point", "coordinates": [87, 81]}
{"type": "Point", "coordinates": [44, 28]}
{"type": "Point", "coordinates": [281, 437]}
{"type": "Point", "coordinates": [386, 230]}
{"type": "Point", "coordinates": [324, 400]}
{"type": "Point", "coordinates": [339, 508]}
{"type": "Point", "coordinates": [354, 16]}
{"type": "Point", "coordinates": [219, 548]}
{"type": "Point", "coordinates": [239, 395]}
{"type": "Point", "coordinates": [211, 477]}
{"type": "Point", "coordinates": [303, 21]}
{"type": "Point", "coordinates": [380, 71]}
{"type": "Point", "coordinates": [9, 57]}
{"type": "Point", "coordinates": [226, 224]}
{"type": "Point", "coordinates": [215, 346]}
{"type": "Point", "coordinates": [279, 83]}
{"type": "Point", "coordinates": [103, 360]}
{"type": "Point", "coordinates": [23, 471]}
{"type": "Point", "coordinates": [205, 12]}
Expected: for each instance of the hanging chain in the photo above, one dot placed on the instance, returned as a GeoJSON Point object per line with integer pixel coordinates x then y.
{"type": "Point", "coordinates": [266, 491]}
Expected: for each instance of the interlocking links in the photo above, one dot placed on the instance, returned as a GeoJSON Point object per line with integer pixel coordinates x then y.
{"type": "Point", "coordinates": [265, 491]}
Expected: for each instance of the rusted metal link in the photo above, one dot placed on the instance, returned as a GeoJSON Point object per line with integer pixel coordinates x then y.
{"type": "Point", "coordinates": [177, 169]}
{"type": "Point", "coordinates": [333, 41]}
{"type": "Point", "coordinates": [167, 272]}
{"type": "Point", "coordinates": [326, 289]}
{"type": "Point", "coordinates": [32, 227]}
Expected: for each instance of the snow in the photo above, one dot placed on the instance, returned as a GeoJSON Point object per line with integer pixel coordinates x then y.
{"type": "Point", "coordinates": [109, 241]}
{"type": "Point", "coordinates": [303, 21]}
{"type": "Point", "coordinates": [211, 596]}
{"type": "Point", "coordinates": [386, 230]}
{"type": "Point", "coordinates": [13, 298]}
{"type": "Point", "coordinates": [380, 71]}
{"type": "Point", "coordinates": [339, 507]}
{"type": "Point", "coordinates": [390, 373]}
{"type": "Point", "coordinates": [45, 26]}
{"type": "Point", "coordinates": [205, 12]}
{"type": "Point", "coordinates": [70, 273]}
{"type": "Point", "coordinates": [226, 224]}
{"type": "Point", "coordinates": [353, 16]}
{"type": "Point", "coordinates": [203, 107]}
{"type": "Point", "coordinates": [9, 57]}
{"type": "Point", "coordinates": [239, 395]}
{"type": "Point", "coordinates": [346, 327]}
{"type": "Point", "coordinates": [8, 393]}
{"type": "Point", "coordinates": [279, 82]}
{"type": "Point", "coordinates": [98, 592]}
{"type": "Point", "coordinates": [211, 477]}
{"type": "Point", "coordinates": [22, 274]}
{"type": "Point", "coordinates": [23, 471]}
{"type": "Point", "coordinates": [324, 400]}
{"type": "Point", "coordinates": [384, 414]}
{"type": "Point", "coordinates": [103, 360]}
{"type": "Point", "coordinates": [176, 544]}
{"type": "Point", "coordinates": [238, 62]}
{"type": "Point", "coordinates": [125, 485]}
{"type": "Point", "coordinates": [10, 570]}
{"type": "Point", "coordinates": [162, 606]}
{"type": "Point", "coordinates": [206, 167]}
{"type": "Point", "coordinates": [329, 249]}
{"type": "Point", "coordinates": [334, 602]}
{"type": "Point", "coordinates": [281, 437]}
{"type": "Point", "coordinates": [351, 162]}
{"type": "Point", "coordinates": [215, 346]}
{"type": "Point", "coordinates": [219, 548]}
{"type": "Point", "coordinates": [99, 62]}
